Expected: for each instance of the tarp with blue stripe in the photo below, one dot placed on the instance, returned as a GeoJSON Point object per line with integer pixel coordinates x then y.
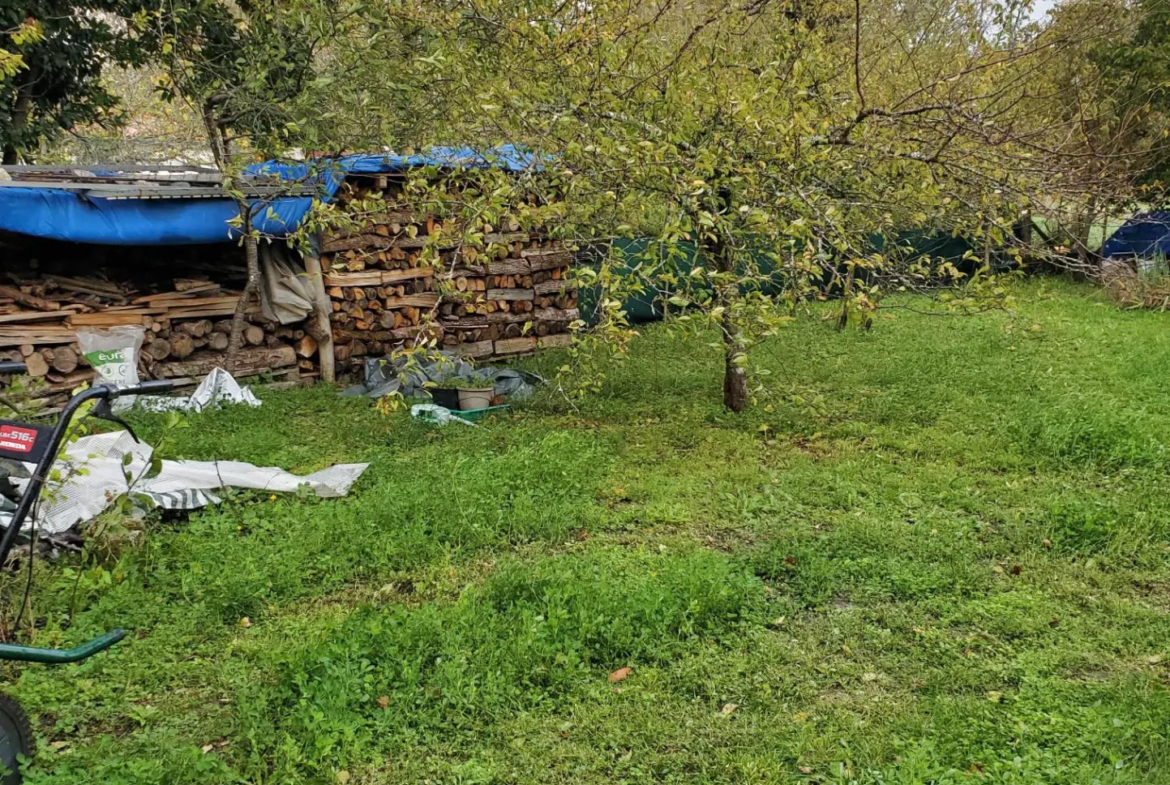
{"type": "Point", "coordinates": [60, 214]}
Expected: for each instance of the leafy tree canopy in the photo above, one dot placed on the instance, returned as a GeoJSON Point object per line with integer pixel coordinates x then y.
{"type": "Point", "coordinates": [52, 54]}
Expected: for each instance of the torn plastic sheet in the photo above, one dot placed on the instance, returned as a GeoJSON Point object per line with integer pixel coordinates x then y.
{"type": "Point", "coordinates": [438, 415]}
{"type": "Point", "coordinates": [217, 388]}
{"type": "Point", "coordinates": [115, 465]}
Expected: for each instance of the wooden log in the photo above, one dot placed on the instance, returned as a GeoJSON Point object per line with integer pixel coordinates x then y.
{"type": "Point", "coordinates": [219, 341]}
{"type": "Point", "coordinates": [551, 287]}
{"type": "Point", "coordinates": [248, 361]}
{"type": "Point", "coordinates": [549, 249]}
{"type": "Point", "coordinates": [254, 335]}
{"type": "Point", "coordinates": [307, 346]}
{"type": "Point", "coordinates": [509, 267]}
{"type": "Point", "coordinates": [16, 295]}
{"type": "Point", "coordinates": [182, 345]}
{"type": "Point", "coordinates": [550, 262]}
{"type": "Point", "coordinates": [37, 364]}
{"type": "Point", "coordinates": [64, 359]}
{"type": "Point", "coordinates": [556, 314]}
{"type": "Point", "coordinates": [196, 329]}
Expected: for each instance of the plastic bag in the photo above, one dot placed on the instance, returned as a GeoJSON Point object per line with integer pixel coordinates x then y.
{"type": "Point", "coordinates": [113, 353]}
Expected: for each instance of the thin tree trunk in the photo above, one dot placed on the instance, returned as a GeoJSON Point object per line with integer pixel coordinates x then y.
{"type": "Point", "coordinates": [252, 256]}
{"type": "Point", "coordinates": [20, 114]}
{"type": "Point", "coordinates": [735, 395]}
{"type": "Point", "coordinates": [843, 322]}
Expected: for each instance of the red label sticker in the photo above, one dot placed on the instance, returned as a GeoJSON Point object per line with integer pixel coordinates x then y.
{"type": "Point", "coordinates": [17, 439]}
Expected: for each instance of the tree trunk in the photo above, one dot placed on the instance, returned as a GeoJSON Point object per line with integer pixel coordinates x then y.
{"type": "Point", "coordinates": [252, 255]}
{"type": "Point", "coordinates": [735, 395]}
{"type": "Point", "coordinates": [846, 293]}
{"type": "Point", "coordinates": [21, 110]}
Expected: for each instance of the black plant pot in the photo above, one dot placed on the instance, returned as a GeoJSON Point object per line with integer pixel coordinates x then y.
{"type": "Point", "coordinates": [448, 399]}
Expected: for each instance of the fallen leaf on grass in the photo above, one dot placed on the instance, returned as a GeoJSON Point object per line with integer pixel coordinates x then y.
{"type": "Point", "coordinates": [383, 701]}
{"type": "Point", "coordinates": [728, 709]}
{"type": "Point", "coordinates": [805, 770]}
{"type": "Point", "coordinates": [621, 674]}
{"type": "Point", "coordinates": [207, 748]}
{"type": "Point", "coordinates": [245, 622]}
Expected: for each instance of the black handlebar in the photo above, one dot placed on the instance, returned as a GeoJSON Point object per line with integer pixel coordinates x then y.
{"type": "Point", "coordinates": [9, 367]}
{"type": "Point", "coordinates": [145, 388]}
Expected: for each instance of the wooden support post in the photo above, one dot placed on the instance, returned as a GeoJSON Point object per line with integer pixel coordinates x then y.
{"type": "Point", "coordinates": [321, 310]}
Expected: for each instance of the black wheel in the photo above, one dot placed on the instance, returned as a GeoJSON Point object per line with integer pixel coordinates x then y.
{"type": "Point", "coordinates": [16, 738]}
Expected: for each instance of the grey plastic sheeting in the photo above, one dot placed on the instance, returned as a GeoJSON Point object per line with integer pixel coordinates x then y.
{"type": "Point", "coordinates": [414, 379]}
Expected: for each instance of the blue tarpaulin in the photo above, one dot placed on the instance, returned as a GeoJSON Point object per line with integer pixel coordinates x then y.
{"type": "Point", "coordinates": [1142, 236]}
{"type": "Point", "coordinates": [61, 214]}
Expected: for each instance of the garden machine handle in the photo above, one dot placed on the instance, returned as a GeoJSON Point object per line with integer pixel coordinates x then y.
{"type": "Point", "coordinates": [60, 656]}
{"type": "Point", "coordinates": [33, 491]}
{"type": "Point", "coordinates": [145, 388]}
{"type": "Point", "coordinates": [10, 367]}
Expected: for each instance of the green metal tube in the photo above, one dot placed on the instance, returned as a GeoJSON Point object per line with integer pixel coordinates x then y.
{"type": "Point", "coordinates": [60, 656]}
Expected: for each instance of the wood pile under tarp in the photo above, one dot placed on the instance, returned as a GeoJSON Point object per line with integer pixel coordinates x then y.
{"type": "Point", "coordinates": [185, 310]}
{"type": "Point", "coordinates": [509, 296]}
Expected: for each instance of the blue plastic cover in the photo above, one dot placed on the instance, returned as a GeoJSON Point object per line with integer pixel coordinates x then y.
{"type": "Point", "coordinates": [60, 214]}
{"type": "Point", "coordinates": [1143, 235]}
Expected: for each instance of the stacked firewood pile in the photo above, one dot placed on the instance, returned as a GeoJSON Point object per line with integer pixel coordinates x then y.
{"type": "Point", "coordinates": [186, 323]}
{"type": "Point", "coordinates": [510, 296]}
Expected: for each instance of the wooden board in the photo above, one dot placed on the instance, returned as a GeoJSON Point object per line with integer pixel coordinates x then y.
{"type": "Point", "coordinates": [34, 316]}
{"type": "Point", "coordinates": [247, 361]}
{"type": "Point", "coordinates": [558, 341]}
{"type": "Point", "coordinates": [425, 300]}
{"type": "Point", "coordinates": [515, 345]}
{"type": "Point", "coordinates": [511, 294]}
{"type": "Point", "coordinates": [476, 350]}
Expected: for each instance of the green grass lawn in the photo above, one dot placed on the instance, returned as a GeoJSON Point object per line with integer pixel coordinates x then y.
{"type": "Point", "coordinates": [953, 568]}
